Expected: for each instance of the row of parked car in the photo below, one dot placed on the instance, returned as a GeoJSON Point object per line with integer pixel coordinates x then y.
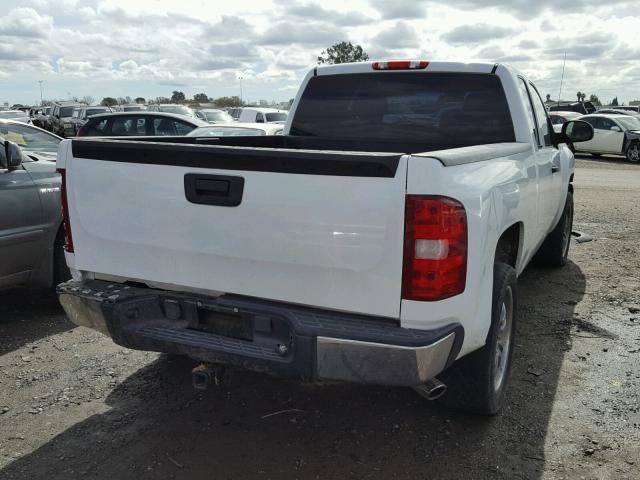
{"type": "Point", "coordinates": [616, 130]}
{"type": "Point", "coordinates": [68, 119]}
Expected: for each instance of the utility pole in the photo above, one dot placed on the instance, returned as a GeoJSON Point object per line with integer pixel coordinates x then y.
{"type": "Point", "coordinates": [40, 82]}
{"type": "Point", "coordinates": [240, 78]}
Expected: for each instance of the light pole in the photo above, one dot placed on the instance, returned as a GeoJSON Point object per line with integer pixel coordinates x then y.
{"type": "Point", "coordinates": [40, 82]}
{"type": "Point", "coordinates": [240, 78]}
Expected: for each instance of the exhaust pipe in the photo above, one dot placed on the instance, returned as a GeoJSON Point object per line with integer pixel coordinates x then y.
{"type": "Point", "coordinates": [432, 390]}
{"type": "Point", "coordinates": [205, 375]}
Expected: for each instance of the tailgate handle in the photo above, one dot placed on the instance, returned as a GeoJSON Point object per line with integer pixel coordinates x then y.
{"type": "Point", "coordinates": [221, 190]}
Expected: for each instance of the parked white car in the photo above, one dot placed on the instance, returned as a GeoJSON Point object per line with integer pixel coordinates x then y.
{"type": "Point", "coordinates": [262, 115]}
{"type": "Point", "coordinates": [15, 115]}
{"type": "Point", "coordinates": [214, 115]}
{"type": "Point", "coordinates": [237, 129]}
{"type": "Point", "coordinates": [559, 118]}
{"type": "Point", "coordinates": [379, 240]}
{"type": "Point", "coordinates": [613, 134]}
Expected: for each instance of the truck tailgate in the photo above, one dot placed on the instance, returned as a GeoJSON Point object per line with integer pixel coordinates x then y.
{"type": "Point", "coordinates": [313, 228]}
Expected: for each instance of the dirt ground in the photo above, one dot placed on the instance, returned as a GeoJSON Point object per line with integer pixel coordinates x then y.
{"type": "Point", "coordinates": [74, 405]}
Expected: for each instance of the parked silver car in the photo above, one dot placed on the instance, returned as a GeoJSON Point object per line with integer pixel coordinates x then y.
{"type": "Point", "coordinates": [31, 231]}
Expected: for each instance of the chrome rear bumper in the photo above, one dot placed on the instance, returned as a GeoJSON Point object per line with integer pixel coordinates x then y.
{"type": "Point", "coordinates": [285, 340]}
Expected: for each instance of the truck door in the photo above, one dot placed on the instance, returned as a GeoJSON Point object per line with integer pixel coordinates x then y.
{"type": "Point", "coordinates": [547, 159]}
{"type": "Point", "coordinates": [610, 136]}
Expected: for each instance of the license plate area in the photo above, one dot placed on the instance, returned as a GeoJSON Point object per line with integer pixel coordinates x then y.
{"type": "Point", "coordinates": [224, 322]}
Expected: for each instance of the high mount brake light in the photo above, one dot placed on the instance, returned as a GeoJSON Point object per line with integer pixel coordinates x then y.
{"type": "Point", "coordinates": [65, 211]}
{"type": "Point", "coordinates": [401, 65]}
{"type": "Point", "coordinates": [435, 248]}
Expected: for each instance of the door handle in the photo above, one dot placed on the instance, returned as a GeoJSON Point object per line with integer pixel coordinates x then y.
{"type": "Point", "coordinates": [221, 190]}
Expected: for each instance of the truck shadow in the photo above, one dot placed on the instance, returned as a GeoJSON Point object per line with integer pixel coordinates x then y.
{"type": "Point", "coordinates": [255, 426]}
{"type": "Point", "coordinates": [27, 315]}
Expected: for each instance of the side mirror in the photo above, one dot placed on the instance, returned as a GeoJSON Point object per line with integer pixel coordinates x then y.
{"type": "Point", "coordinates": [615, 128]}
{"type": "Point", "coordinates": [13, 155]}
{"type": "Point", "coordinates": [576, 131]}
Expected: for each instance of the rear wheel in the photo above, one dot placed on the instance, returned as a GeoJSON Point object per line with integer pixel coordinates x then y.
{"type": "Point", "coordinates": [633, 152]}
{"type": "Point", "coordinates": [555, 249]}
{"type": "Point", "coordinates": [477, 383]}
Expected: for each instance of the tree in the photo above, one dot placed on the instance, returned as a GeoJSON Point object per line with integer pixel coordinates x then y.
{"type": "Point", "coordinates": [594, 99]}
{"type": "Point", "coordinates": [614, 102]}
{"type": "Point", "coordinates": [228, 101]}
{"type": "Point", "coordinates": [163, 100]}
{"type": "Point", "coordinates": [140, 100]}
{"type": "Point", "coordinates": [548, 98]}
{"type": "Point", "coordinates": [88, 99]}
{"type": "Point", "coordinates": [343, 52]}
{"type": "Point", "coordinates": [108, 102]}
{"type": "Point", "coordinates": [579, 95]}
{"type": "Point", "coordinates": [201, 98]}
{"type": "Point", "coordinates": [122, 101]}
{"type": "Point", "coordinates": [178, 97]}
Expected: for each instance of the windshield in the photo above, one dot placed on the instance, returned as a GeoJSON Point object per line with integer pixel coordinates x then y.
{"type": "Point", "coordinates": [133, 108]}
{"type": "Point", "coordinates": [29, 138]}
{"type": "Point", "coordinates": [220, 117]}
{"type": "Point", "coordinates": [276, 117]}
{"type": "Point", "coordinates": [629, 123]}
{"type": "Point", "coordinates": [225, 132]}
{"type": "Point", "coordinates": [443, 110]}
{"type": "Point", "coordinates": [66, 111]}
{"type": "Point", "coordinates": [179, 109]}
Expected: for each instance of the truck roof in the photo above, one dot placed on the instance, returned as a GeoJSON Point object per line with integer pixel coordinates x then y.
{"type": "Point", "coordinates": [366, 67]}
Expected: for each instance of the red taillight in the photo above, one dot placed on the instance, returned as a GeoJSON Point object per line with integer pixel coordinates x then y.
{"type": "Point", "coordinates": [435, 248]}
{"type": "Point", "coordinates": [65, 211]}
{"type": "Point", "coordinates": [401, 65]}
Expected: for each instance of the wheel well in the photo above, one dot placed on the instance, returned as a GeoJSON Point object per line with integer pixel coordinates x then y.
{"type": "Point", "coordinates": [571, 183]}
{"type": "Point", "coordinates": [509, 245]}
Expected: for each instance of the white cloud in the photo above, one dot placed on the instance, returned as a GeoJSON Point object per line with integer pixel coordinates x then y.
{"type": "Point", "coordinates": [148, 48]}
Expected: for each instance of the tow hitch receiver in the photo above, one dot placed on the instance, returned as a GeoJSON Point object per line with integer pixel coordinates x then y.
{"type": "Point", "coordinates": [205, 375]}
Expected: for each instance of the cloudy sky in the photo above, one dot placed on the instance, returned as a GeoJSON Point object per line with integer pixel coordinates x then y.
{"type": "Point", "coordinates": [151, 47]}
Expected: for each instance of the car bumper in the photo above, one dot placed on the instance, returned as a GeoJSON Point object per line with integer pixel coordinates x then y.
{"type": "Point", "coordinates": [276, 338]}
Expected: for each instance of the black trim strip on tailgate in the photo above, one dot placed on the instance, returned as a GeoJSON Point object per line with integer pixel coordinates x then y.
{"type": "Point", "coordinates": [239, 158]}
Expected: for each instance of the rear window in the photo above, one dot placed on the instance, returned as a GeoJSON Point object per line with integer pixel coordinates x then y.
{"type": "Point", "coordinates": [442, 110]}
{"type": "Point", "coordinates": [66, 111]}
{"type": "Point", "coordinates": [95, 128]}
{"type": "Point", "coordinates": [276, 117]}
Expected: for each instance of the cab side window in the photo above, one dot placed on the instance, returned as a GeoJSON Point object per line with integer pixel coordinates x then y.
{"type": "Point", "coordinates": [544, 130]}
{"type": "Point", "coordinates": [604, 124]}
{"type": "Point", "coordinates": [527, 104]}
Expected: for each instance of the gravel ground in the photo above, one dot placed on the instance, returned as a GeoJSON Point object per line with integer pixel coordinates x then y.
{"type": "Point", "coordinates": [73, 404]}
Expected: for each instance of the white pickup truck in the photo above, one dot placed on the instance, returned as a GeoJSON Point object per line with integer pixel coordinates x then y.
{"type": "Point", "coordinates": [378, 240]}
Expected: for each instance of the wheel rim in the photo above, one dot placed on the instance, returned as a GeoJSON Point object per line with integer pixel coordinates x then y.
{"type": "Point", "coordinates": [634, 154]}
{"type": "Point", "coordinates": [503, 341]}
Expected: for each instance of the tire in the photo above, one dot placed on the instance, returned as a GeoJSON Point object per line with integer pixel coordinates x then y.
{"type": "Point", "coordinates": [555, 249]}
{"type": "Point", "coordinates": [633, 152]}
{"type": "Point", "coordinates": [477, 383]}
{"type": "Point", "coordinates": [61, 272]}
